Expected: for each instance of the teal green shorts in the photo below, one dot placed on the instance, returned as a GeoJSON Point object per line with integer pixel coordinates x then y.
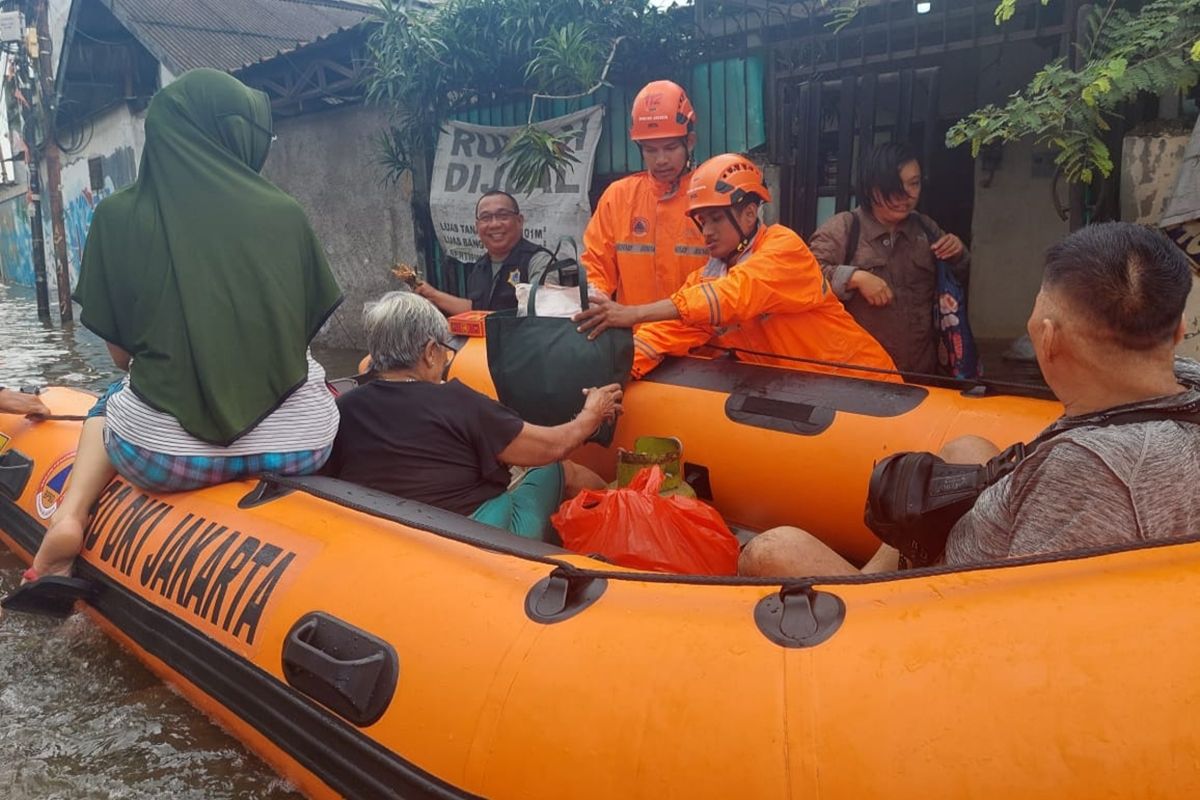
{"type": "Point", "coordinates": [525, 509]}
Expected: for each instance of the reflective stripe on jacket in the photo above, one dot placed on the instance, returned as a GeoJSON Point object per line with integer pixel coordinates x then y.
{"type": "Point", "coordinates": [640, 244]}
{"type": "Point", "coordinates": [773, 300]}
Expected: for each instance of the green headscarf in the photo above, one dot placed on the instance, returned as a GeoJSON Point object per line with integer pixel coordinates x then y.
{"type": "Point", "coordinates": [209, 275]}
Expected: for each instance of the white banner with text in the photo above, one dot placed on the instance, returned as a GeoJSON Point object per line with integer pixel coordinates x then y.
{"type": "Point", "coordinates": [470, 161]}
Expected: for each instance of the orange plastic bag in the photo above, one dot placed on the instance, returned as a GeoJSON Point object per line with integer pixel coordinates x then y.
{"type": "Point", "coordinates": [635, 527]}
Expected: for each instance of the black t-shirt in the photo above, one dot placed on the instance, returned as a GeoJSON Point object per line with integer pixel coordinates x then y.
{"type": "Point", "coordinates": [432, 442]}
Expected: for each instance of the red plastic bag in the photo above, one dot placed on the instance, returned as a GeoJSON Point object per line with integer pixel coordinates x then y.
{"type": "Point", "coordinates": [635, 527]}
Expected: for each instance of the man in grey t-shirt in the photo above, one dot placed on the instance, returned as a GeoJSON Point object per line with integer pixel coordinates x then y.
{"type": "Point", "coordinates": [1104, 328]}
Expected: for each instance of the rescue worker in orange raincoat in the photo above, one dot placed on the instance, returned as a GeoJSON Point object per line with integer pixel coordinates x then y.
{"type": "Point", "coordinates": [639, 242]}
{"type": "Point", "coordinates": [761, 294]}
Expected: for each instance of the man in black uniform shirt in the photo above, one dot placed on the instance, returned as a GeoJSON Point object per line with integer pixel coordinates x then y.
{"type": "Point", "coordinates": [510, 259]}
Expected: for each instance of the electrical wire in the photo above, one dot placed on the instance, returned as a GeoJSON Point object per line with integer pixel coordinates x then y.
{"type": "Point", "coordinates": [98, 40]}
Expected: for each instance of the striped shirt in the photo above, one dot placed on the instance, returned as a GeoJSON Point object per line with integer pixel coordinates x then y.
{"type": "Point", "coordinates": [307, 420]}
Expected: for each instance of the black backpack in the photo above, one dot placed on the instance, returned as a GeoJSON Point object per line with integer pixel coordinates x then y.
{"type": "Point", "coordinates": [915, 499]}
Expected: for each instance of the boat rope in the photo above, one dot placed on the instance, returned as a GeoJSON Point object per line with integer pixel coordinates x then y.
{"type": "Point", "coordinates": [1012, 387]}
{"type": "Point", "coordinates": [567, 569]}
{"type": "Point", "coordinates": [302, 485]}
{"type": "Point", "coordinates": [883, 577]}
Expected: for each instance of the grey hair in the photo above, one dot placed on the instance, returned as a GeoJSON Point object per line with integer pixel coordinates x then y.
{"type": "Point", "coordinates": [399, 327]}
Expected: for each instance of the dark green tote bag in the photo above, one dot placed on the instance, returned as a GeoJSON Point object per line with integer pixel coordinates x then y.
{"type": "Point", "coordinates": [541, 365]}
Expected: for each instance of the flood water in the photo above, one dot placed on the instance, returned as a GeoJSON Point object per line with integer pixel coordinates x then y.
{"type": "Point", "coordinates": [79, 717]}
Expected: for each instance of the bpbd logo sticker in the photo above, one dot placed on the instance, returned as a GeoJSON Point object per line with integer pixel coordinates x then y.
{"type": "Point", "coordinates": [641, 226]}
{"type": "Point", "coordinates": [51, 488]}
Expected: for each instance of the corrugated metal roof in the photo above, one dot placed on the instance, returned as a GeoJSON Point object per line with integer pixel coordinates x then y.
{"type": "Point", "coordinates": [267, 59]}
{"type": "Point", "coordinates": [226, 34]}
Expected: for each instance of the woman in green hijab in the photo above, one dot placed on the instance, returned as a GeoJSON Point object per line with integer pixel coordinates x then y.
{"type": "Point", "coordinates": [207, 283]}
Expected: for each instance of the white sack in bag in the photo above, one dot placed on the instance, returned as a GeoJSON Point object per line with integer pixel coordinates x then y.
{"type": "Point", "coordinates": [552, 301]}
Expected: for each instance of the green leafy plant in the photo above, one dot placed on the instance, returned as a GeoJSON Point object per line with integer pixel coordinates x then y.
{"type": "Point", "coordinates": [393, 154]}
{"type": "Point", "coordinates": [1154, 48]}
{"type": "Point", "coordinates": [567, 60]}
{"type": "Point", "coordinates": [426, 64]}
{"type": "Point", "coordinates": [842, 14]}
{"type": "Point", "coordinates": [533, 154]}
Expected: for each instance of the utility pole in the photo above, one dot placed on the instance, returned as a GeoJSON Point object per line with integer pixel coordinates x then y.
{"type": "Point", "coordinates": [49, 152]}
{"type": "Point", "coordinates": [25, 86]}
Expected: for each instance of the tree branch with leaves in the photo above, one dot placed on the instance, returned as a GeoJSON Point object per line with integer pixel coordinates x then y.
{"type": "Point", "coordinates": [1154, 48]}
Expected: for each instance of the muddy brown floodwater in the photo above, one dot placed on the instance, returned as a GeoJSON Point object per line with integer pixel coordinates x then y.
{"type": "Point", "coordinates": [79, 717]}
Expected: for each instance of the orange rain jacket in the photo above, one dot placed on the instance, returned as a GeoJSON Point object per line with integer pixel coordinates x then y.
{"type": "Point", "coordinates": [773, 300]}
{"type": "Point", "coordinates": [641, 244]}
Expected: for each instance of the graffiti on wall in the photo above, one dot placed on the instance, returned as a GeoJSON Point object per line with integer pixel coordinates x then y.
{"type": "Point", "coordinates": [16, 242]}
{"type": "Point", "coordinates": [119, 169]}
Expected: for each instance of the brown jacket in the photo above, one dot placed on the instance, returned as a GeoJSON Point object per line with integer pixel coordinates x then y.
{"type": "Point", "coordinates": [905, 326]}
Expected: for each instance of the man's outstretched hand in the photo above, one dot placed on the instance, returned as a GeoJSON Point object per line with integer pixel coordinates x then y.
{"type": "Point", "coordinates": [603, 314]}
{"type": "Point", "coordinates": [20, 403]}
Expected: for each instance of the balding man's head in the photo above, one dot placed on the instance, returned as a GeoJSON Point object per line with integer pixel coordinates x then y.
{"type": "Point", "coordinates": [1124, 284]}
{"type": "Point", "coordinates": [1109, 314]}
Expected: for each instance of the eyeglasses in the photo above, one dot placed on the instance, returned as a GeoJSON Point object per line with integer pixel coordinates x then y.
{"type": "Point", "coordinates": [449, 346]}
{"type": "Point", "coordinates": [268, 131]}
{"type": "Point", "coordinates": [274, 136]}
{"type": "Point", "coordinates": [499, 216]}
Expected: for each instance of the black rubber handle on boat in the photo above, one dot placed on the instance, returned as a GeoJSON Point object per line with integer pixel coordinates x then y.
{"type": "Point", "coordinates": [799, 616]}
{"type": "Point", "coordinates": [15, 469]}
{"type": "Point", "coordinates": [348, 677]}
{"type": "Point", "coordinates": [561, 595]}
{"type": "Point", "coordinates": [789, 416]}
{"type": "Point", "coordinates": [341, 667]}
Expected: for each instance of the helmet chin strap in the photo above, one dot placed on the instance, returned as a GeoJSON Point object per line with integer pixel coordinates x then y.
{"type": "Point", "coordinates": [687, 165]}
{"type": "Point", "coordinates": [745, 238]}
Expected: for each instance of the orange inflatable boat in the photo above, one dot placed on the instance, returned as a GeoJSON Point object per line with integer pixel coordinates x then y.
{"type": "Point", "coordinates": [371, 647]}
{"type": "Point", "coordinates": [771, 446]}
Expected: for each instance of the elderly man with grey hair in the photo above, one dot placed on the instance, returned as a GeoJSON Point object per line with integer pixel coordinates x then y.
{"type": "Point", "coordinates": [410, 433]}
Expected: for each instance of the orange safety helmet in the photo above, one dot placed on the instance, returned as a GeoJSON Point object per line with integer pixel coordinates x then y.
{"type": "Point", "coordinates": [725, 180]}
{"type": "Point", "coordinates": [661, 110]}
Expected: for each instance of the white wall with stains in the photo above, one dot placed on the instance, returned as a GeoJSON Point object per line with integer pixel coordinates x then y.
{"type": "Point", "coordinates": [1149, 169]}
{"type": "Point", "coordinates": [328, 161]}
{"type": "Point", "coordinates": [1014, 222]}
{"type": "Point", "coordinates": [113, 141]}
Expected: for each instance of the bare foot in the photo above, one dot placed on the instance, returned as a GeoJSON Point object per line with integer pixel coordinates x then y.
{"type": "Point", "coordinates": [61, 545]}
{"type": "Point", "coordinates": [91, 473]}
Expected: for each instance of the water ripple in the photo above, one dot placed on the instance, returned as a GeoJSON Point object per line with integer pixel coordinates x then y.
{"type": "Point", "coordinates": [79, 717]}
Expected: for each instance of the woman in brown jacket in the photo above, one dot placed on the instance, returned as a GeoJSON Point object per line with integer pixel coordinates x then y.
{"type": "Point", "coordinates": [881, 258]}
